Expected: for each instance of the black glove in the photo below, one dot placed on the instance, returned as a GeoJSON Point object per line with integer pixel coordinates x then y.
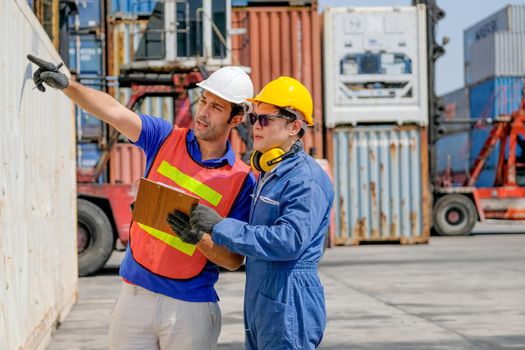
{"type": "Point", "coordinates": [203, 218]}
{"type": "Point", "coordinates": [180, 224]}
{"type": "Point", "coordinates": [49, 74]}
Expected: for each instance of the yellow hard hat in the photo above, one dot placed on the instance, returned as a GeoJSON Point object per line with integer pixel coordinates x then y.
{"type": "Point", "coordinates": [286, 92]}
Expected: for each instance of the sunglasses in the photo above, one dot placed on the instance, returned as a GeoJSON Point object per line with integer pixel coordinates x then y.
{"type": "Point", "coordinates": [264, 119]}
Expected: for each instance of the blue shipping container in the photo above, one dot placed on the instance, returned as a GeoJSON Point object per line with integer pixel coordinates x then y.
{"type": "Point", "coordinates": [88, 155]}
{"type": "Point", "coordinates": [89, 15]}
{"type": "Point", "coordinates": [85, 54]}
{"type": "Point", "coordinates": [457, 147]}
{"type": "Point", "coordinates": [88, 127]}
{"type": "Point", "coordinates": [133, 7]}
{"type": "Point", "coordinates": [486, 178]}
{"type": "Point", "coordinates": [498, 96]}
{"type": "Point", "coordinates": [477, 140]}
{"type": "Point", "coordinates": [491, 98]}
{"type": "Point", "coordinates": [381, 184]}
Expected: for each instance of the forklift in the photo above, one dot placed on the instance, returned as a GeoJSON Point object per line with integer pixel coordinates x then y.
{"type": "Point", "coordinates": [458, 208]}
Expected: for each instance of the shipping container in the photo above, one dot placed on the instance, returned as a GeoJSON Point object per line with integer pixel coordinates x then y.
{"type": "Point", "coordinates": [375, 65]}
{"type": "Point", "coordinates": [127, 164]}
{"type": "Point", "coordinates": [381, 184]}
{"type": "Point", "coordinates": [184, 35]}
{"type": "Point", "coordinates": [123, 8]}
{"type": "Point", "coordinates": [88, 126]}
{"type": "Point", "coordinates": [492, 98]}
{"type": "Point", "coordinates": [453, 152]}
{"type": "Point", "coordinates": [89, 15]}
{"type": "Point", "coordinates": [123, 38]}
{"type": "Point", "coordinates": [456, 104]}
{"type": "Point", "coordinates": [244, 3]}
{"type": "Point", "coordinates": [477, 138]}
{"type": "Point", "coordinates": [511, 18]}
{"type": "Point", "coordinates": [283, 41]}
{"type": "Point", "coordinates": [496, 55]}
{"type": "Point", "coordinates": [86, 54]}
{"type": "Point", "coordinates": [88, 155]}
{"type": "Point", "coordinates": [38, 252]}
{"type": "Point", "coordinates": [486, 178]}
{"type": "Point", "coordinates": [497, 96]}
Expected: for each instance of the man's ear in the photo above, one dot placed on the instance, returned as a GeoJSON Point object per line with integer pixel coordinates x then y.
{"type": "Point", "coordinates": [296, 127]}
{"type": "Point", "coordinates": [236, 120]}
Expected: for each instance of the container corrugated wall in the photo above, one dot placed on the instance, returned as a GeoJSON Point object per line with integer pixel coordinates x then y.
{"type": "Point", "coordinates": [283, 41]}
{"type": "Point", "coordinates": [456, 104]}
{"type": "Point", "coordinates": [498, 96]}
{"type": "Point", "coordinates": [127, 163]}
{"type": "Point", "coordinates": [499, 54]}
{"type": "Point", "coordinates": [510, 18]}
{"type": "Point", "coordinates": [89, 14]}
{"type": "Point", "coordinates": [132, 7]}
{"type": "Point", "coordinates": [38, 253]}
{"type": "Point", "coordinates": [381, 184]}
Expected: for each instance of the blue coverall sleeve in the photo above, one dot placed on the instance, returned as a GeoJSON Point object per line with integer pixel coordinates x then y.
{"type": "Point", "coordinates": [302, 208]}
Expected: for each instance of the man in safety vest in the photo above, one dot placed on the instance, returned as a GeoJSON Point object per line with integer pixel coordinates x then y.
{"type": "Point", "coordinates": [168, 300]}
{"type": "Point", "coordinates": [283, 241]}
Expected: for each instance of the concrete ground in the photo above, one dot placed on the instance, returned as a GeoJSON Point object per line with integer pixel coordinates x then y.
{"type": "Point", "coordinates": [454, 293]}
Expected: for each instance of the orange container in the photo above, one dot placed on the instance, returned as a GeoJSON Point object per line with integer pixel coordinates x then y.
{"type": "Point", "coordinates": [283, 41]}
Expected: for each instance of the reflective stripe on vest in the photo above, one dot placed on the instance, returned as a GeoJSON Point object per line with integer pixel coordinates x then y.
{"type": "Point", "coordinates": [170, 239]}
{"type": "Point", "coordinates": [163, 253]}
{"type": "Point", "coordinates": [188, 183]}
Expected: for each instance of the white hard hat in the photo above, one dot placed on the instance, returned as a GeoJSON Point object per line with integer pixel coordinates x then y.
{"type": "Point", "coordinates": [229, 83]}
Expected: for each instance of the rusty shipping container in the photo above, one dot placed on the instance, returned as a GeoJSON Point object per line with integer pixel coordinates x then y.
{"type": "Point", "coordinates": [283, 41]}
{"type": "Point", "coordinates": [38, 252]}
{"type": "Point", "coordinates": [381, 184]}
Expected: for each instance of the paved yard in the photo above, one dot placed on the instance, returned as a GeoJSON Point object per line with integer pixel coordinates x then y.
{"type": "Point", "coordinates": [455, 293]}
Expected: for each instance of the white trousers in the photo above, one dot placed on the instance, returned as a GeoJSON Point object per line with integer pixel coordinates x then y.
{"type": "Point", "coordinates": [144, 320]}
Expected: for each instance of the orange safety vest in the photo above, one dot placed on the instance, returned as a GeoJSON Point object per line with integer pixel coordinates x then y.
{"type": "Point", "coordinates": [163, 253]}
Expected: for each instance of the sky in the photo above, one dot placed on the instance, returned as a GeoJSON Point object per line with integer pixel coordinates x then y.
{"type": "Point", "coordinates": [460, 14]}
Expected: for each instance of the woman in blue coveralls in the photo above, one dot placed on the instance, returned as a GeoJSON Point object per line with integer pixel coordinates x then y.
{"type": "Point", "coordinates": [284, 304]}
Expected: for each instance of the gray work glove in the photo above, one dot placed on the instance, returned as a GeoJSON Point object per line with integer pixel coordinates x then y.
{"type": "Point", "coordinates": [203, 218]}
{"type": "Point", "coordinates": [180, 224]}
{"type": "Point", "coordinates": [49, 74]}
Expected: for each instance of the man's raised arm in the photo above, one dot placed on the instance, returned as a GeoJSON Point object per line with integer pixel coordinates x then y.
{"type": "Point", "coordinates": [97, 103]}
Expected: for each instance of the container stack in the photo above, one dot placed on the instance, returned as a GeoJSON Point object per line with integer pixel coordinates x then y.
{"type": "Point", "coordinates": [280, 40]}
{"type": "Point", "coordinates": [377, 108]}
{"type": "Point", "coordinates": [86, 61]}
{"type": "Point", "coordinates": [494, 74]}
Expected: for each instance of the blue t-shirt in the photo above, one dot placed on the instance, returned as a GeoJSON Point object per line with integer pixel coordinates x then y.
{"type": "Point", "coordinates": [199, 288]}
